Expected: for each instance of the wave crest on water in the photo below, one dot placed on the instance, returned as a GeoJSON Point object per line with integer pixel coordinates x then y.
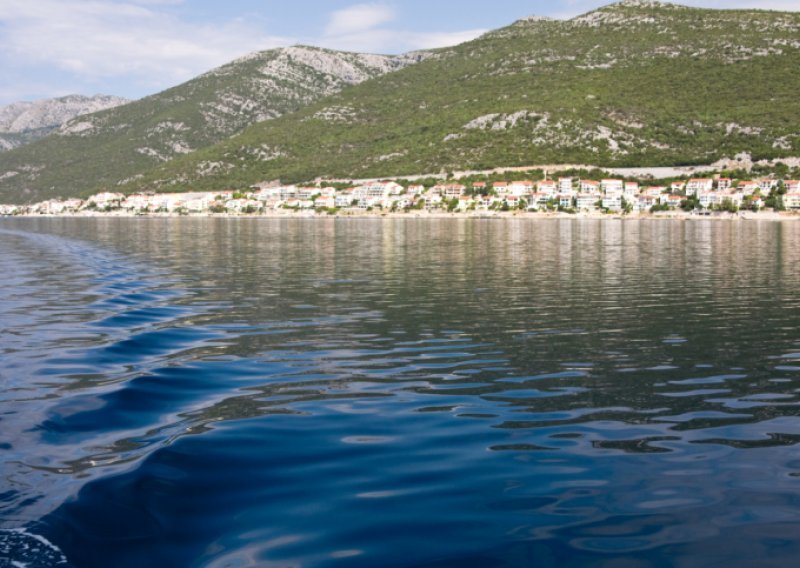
{"type": "Point", "coordinates": [22, 549]}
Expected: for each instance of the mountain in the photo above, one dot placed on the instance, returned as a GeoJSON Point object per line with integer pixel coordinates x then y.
{"type": "Point", "coordinates": [104, 148]}
{"type": "Point", "coordinates": [636, 83]}
{"type": "Point", "coordinates": [25, 122]}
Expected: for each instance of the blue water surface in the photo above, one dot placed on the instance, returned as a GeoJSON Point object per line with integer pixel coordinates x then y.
{"type": "Point", "coordinates": [343, 392]}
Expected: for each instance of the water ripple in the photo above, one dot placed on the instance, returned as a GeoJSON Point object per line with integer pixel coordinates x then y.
{"type": "Point", "coordinates": [288, 392]}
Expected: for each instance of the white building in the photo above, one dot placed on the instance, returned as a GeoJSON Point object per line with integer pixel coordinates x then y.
{"type": "Point", "coordinates": [433, 201]}
{"type": "Point", "coordinates": [137, 202]}
{"type": "Point", "coordinates": [548, 187]}
{"type": "Point", "coordinates": [201, 202]}
{"type": "Point", "coordinates": [452, 190]}
{"type": "Point", "coordinates": [536, 200]}
{"type": "Point", "coordinates": [465, 203]}
{"type": "Point", "coordinates": [268, 194]}
{"type": "Point", "coordinates": [612, 185]}
{"type": "Point", "coordinates": [304, 193]}
{"type": "Point", "coordinates": [589, 186]}
{"type": "Point", "coordinates": [520, 188]}
{"type": "Point", "coordinates": [699, 185]}
{"type": "Point", "coordinates": [383, 188]}
{"type": "Point", "coordinates": [748, 187]}
{"type": "Point", "coordinates": [612, 201]}
{"type": "Point", "coordinates": [708, 199]}
{"type": "Point", "coordinates": [240, 205]}
{"type": "Point", "coordinates": [767, 185]}
{"type": "Point", "coordinates": [654, 191]}
{"type": "Point", "coordinates": [326, 201]}
{"type": "Point", "coordinates": [791, 200]}
{"type": "Point", "coordinates": [287, 192]}
{"type": "Point", "coordinates": [735, 198]}
{"type": "Point", "coordinates": [106, 200]}
{"type": "Point", "coordinates": [401, 202]}
{"type": "Point", "coordinates": [646, 202]}
{"type": "Point", "coordinates": [500, 187]}
{"type": "Point", "coordinates": [587, 201]}
{"type": "Point", "coordinates": [57, 207]}
{"type": "Point", "coordinates": [344, 199]}
{"type": "Point", "coordinates": [677, 186]}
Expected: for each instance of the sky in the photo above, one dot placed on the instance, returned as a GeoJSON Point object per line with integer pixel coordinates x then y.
{"type": "Point", "coordinates": [133, 48]}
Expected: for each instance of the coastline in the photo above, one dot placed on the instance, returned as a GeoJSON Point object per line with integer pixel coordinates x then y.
{"type": "Point", "coordinates": [474, 215]}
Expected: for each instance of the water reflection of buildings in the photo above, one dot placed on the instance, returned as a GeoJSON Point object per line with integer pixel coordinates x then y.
{"type": "Point", "coordinates": [612, 309]}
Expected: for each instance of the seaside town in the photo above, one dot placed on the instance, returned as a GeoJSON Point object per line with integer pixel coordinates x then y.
{"type": "Point", "coordinates": [565, 195]}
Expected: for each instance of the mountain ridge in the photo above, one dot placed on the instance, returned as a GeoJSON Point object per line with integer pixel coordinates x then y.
{"type": "Point", "coordinates": [630, 84]}
{"type": "Point", "coordinates": [26, 121]}
{"type": "Point", "coordinates": [119, 144]}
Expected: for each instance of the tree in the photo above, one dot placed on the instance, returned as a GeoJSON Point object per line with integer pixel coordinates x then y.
{"type": "Point", "coordinates": [690, 203]}
{"type": "Point", "coordinates": [627, 207]}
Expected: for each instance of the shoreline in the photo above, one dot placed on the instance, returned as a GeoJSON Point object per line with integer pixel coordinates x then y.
{"type": "Point", "coordinates": [483, 215]}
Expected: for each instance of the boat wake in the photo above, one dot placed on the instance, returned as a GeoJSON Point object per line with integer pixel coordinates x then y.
{"type": "Point", "coordinates": [22, 549]}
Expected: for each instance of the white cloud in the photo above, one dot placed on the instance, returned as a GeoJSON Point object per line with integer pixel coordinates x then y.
{"type": "Point", "coordinates": [131, 39]}
{"type": "Point", "coordinates": [362, 28]}
{"type": "Point", "coordinates": [433, 40]}
{"type": "Point", "coordinates": [395, 41]}
{"type": "Point", "coordinates": [130, 47]}
{"type": "Point", "coordinates": [135, 47]}
{"type": "Point", "coordinates": [360, 17]}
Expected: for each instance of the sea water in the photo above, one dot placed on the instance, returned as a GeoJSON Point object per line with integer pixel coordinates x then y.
{"type": "Point", "coordinates": [355, 392]}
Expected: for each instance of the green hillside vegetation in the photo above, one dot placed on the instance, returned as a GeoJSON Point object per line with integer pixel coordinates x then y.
{"type": "Point", "coordinates": [633, 84]}
{"type": "Point", "coordinates": [105, 148]}
{"type": "Point", "coordinates": [15, 139]}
